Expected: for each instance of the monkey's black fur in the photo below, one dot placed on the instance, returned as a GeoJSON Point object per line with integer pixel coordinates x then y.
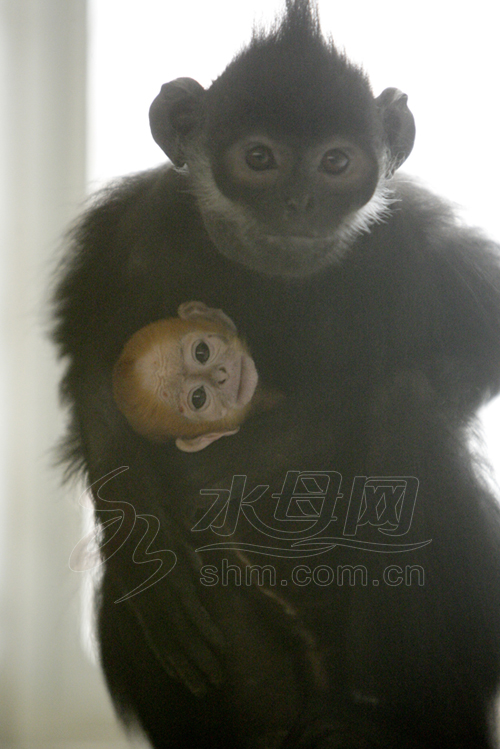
{"type": "Point", "coordinates": [381, 327]}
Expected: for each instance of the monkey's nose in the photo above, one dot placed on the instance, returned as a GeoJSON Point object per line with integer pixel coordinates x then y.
{"type": "Point", "coordinates": [226, 377]}
{"type": "Point", "coordinates": [299, 205]}
{"type": "Point", "coordinates": [221, 375]}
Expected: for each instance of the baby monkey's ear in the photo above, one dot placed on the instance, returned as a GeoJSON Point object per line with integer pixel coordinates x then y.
{"type": "Point", "coordinates": [196, 444]}
{"type": "Point", "coordinates": [193, 310]}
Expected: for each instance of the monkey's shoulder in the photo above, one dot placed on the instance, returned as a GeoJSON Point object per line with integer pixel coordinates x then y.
{"type": "Point", "coordinates": [424, 233]}
{"type": "Point", "coordinates": [141, 225]}
{"type": "Point", "coordinates": [134, 206]}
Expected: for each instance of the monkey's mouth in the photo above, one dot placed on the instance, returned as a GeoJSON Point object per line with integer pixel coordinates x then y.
{"type": "Point", "coordinates": [288, 256]}
{"type": "Point", "coordinates": [298, 242]}
{"type": "Point", "coordinates": [294, 254]}
{"type": "Point", "coordinates": [248, 381]}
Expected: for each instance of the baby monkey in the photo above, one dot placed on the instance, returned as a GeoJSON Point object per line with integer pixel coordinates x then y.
{"type": "Point", "coordinates": [189, 377]}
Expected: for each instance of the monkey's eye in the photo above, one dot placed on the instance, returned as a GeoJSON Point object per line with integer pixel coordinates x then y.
{"type": "Point", "coordinates": [335, 162]}
{"type": "Point", "coordinates": [260, 158]}
{"type": "Point", "coordinates": [198, 398]}
{"type": "Point", "coordinates": [202, 352]}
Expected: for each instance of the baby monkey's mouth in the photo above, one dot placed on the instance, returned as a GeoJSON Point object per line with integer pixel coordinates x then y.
{"type": "Point", "coordinates": [248, 381]}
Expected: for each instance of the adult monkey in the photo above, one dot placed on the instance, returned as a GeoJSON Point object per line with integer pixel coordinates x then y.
{"type": "Point", "coordinates": [378, 318]}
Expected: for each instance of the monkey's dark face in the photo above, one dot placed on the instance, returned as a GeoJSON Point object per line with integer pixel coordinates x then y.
{"type": "Point", "coordinates": [285, 208]}
{"type": "Point", "coordinates": [296, 191]}
{"type": "Point", "coordinates": [290, 200]}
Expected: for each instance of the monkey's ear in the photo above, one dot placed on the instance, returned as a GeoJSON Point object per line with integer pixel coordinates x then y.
{"type": "Point", "coordinates": [173, 114]}
{"type": "Point", "coordinates": [192, 310]}
{"type": "Point", "coordinates": [398, 124]}
{"type": "Point", "coordinates": [199, 443]}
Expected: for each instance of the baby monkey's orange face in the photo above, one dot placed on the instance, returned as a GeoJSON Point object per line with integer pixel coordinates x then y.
{"type": "Point", "coordinates": [189, 377]}
{"type": "Point", "coordinates": [203, 374]}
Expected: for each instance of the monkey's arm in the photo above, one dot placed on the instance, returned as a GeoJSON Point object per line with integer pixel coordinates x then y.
{"type": "Point", "coordinates": [107, 292]}
{"type": "Point", "coordinates": [435, 298]}
{"type": "Point", "coordinates": [147, 560]}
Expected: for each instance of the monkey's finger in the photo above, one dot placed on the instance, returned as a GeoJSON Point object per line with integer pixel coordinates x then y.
{"type": "Point", "coordinates": [180, 646]}
{"type": "Point", "coordinates": [190, 645]}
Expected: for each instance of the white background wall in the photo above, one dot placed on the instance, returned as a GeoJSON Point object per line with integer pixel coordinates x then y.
{"type": "Point", "coordinates": [50, 694]}
{"type": "Point", "coordinates": [444, 55]}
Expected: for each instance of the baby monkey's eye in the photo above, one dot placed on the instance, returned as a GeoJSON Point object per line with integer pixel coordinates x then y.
{"type": "Point", "coordinates": [198, 398]}
{"type": "Point", "coordinates": [202, 352]}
